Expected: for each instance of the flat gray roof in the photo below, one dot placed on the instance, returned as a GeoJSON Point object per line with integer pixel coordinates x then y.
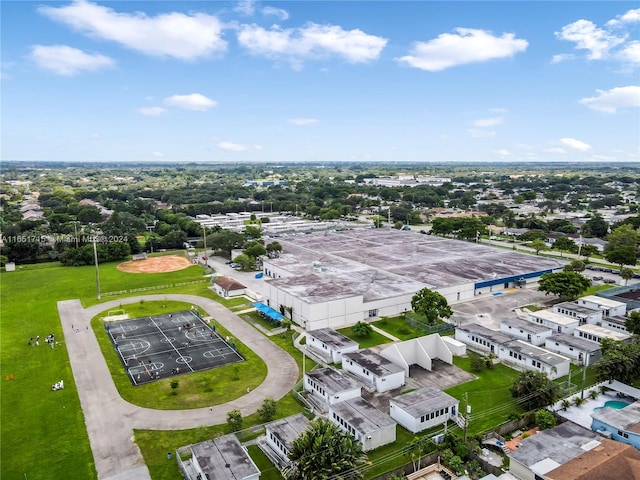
{"type": "Point", "coordinates": [627, 418]}
{"type": "Point", "coordinates": [331, 338]}
{"type": "Point", "coordinates": [493, 335]}
{"type": "Point", "coordinates": [526, 325]}
{"type": "Point", "coordinates": [362, 416]}
{"type": "Point", "coordinates": [223, 458]}
{"type": "Point", "coordinates": [374, 362]}
{"type": "Point", "coordinates": [536, 353]}
{"type": "Point", "coordinates": [579, 309]}
{"type": "Point", "coordinates": [617, 319]}
{"type": "Point", "coordinates": [560, 444]}
{"type": "Point", "coordinates": [605, 302]}
{"type": "Point", "coordinates": [383, 263]}
{"type": "Point", "coordinates": [423, 401]}
{"type": "Point", "coordinates": [288, 429]}
{"type": "Point", "coordinates": [575, 342]}
{"type": "Point", "coordinates": [332, 380]}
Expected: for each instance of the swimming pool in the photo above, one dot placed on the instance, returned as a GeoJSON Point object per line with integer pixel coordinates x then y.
{"type": "Point", "coordinates": [617, 404]}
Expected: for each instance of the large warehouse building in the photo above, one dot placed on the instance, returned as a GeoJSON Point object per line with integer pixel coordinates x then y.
{"type": "Point", "coordinates": [337, 278]}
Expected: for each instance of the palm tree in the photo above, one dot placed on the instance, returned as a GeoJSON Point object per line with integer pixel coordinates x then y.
{"type": "Point", "coordinates": [626, 274]}
{"type": "Point", "coordinates": [324, 451]}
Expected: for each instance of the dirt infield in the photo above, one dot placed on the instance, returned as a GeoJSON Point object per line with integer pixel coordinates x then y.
{"type": "Point", "coordinates": [169, 263]}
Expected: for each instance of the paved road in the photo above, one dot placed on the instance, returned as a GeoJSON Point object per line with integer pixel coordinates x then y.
{"type": "Point", "coordinates": [110, 419]}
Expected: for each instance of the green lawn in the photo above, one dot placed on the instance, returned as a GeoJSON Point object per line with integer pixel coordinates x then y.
{"type": "Point", "coordinates": [255, 317]}
{"type": "Point", "coordinates": [195, 390]}
{"type": "Point", "coordinates": [267, 470]}
{"type": "Point", "coordinates": [389, 457]}
{"type": "Point", "coordinates": [372, 340]}
{"type": "Point", "coordinates": [489, 395]}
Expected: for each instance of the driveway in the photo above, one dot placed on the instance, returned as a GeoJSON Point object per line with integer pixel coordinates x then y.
{"type": "Point", "coordinates": [110, 420]}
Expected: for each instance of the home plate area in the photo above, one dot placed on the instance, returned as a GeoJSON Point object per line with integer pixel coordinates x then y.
{"type": "Point", "coordinates": [161, 346]}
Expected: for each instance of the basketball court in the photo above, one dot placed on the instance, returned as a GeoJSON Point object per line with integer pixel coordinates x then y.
{"type": "Point", "coordinates": [161, 346]}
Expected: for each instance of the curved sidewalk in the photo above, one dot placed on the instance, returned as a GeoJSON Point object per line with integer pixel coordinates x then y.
{"type": "Point", "coordinates": [110, 420]}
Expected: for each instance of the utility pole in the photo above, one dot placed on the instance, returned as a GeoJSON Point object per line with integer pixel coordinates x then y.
{"type": "Point", "coordinates": [467, 409]}
{"type": "Point", "coordinates": [584, 374]}
{"type": "Point", "coordinates": [95, 257]}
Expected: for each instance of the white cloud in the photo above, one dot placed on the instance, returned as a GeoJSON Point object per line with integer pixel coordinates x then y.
{"type": "Point", "coordinates": [503, 152]}
{"type": "Point", "coordinates": [610, 101]}
{"type": "Point", "coordinates": [477, 133]}
{"type": "Point", "coordinates": [562, 57]}
{"type": "Point", "coordinates": [587, 36]}
{"type": "Point", "coordinates": [185, 37]}
{"type": "Point", "coordinates": [157, 154]}
{"type": "Point", "coordinates": [64, 60]}
{"type": "Point", "coordinates": [276, 12]}
{"type": "Point", "coordinates": [632, 16]}
{"type": "Point", "coordinates": [258, 147]}
{"type": "Point", "coordinates": [488, 122]}
{"type": "Point", "coordinates": [630, 53]}
{"type": "Point", "coordinates": [193, 101]}
{"type": "Point", "coordinates": [245, 7]}
{"type": "Point", "coordinates": [232, 147]}
{"type": "Point", "coordinates": [151, 111]}
{"type": "Point", "coordinates": [301, 122]}
{"type": "Point", "coordinates": [466, 45]}
{"type": "Point", "coordinates": [311, 42]}
{"type": "Point", "coordinates": [575, 144]}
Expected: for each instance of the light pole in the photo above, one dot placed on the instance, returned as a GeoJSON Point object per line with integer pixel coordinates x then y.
{"type": "Point", "coordinates": [95, 257]}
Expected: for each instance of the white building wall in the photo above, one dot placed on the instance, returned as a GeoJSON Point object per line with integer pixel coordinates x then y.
{"type": "Point", "coordinates": [564, 327]}
{"type": "Point", "coordinates": [275, 444]}
{"type": "Point", "coordinates": [520, 471]}
{"type": "Point", "coordinates": [331, 399]}
{"type": "Point", "coordinates": [533, 338]}
{"type": "Point", "coordinates": [527, 363]}
{"type": "Point", "coordinates": [465, 337]}
{"type": "Point", "coordinates": [457, 348]}
{"type": "Point", "coordinates": [382, 384]}
{"type": "Point", "coordinates": [571, 352]}
{"type": "Point", "coordinates": [618, 310]}
{"type": "Point", "coordinates": [415, 425]}
{"type": "Point", "coordinates": [614, 326]}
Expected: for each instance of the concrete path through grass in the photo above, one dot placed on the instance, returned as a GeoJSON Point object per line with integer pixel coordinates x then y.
{"type": "Point", "coordinates": [110, 420]}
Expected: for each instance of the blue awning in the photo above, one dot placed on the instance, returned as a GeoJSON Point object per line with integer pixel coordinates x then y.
{"type": "Point", "coordinates": [268, 311]}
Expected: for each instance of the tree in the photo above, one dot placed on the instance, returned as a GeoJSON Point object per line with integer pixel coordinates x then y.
{"type": "Point", "coordinates": [268, 409]}
{"type": "Point", "coordinates": [535, 389]}
{"type": "Point", "coordinates": [622, 246]}
{"type": "Point", "coordinates": [431, 304]}
{"type": "Point", "coordinates": [565, 244]}
{"type": "Point", "coordinates": [588, 251]}
{"type": "Point", "coordinates": [545, 419]}
{"type": "Point", "coordinates": [477, 363]}
{"type": "Point", "coordinates": [619, 361]}
{"type": "Point", "coordinates": [274, 249]}
{"type": "Point", "coordinates": [632, 322]}
{"type": "Point", "coordinates": [417, 448]}
{"type": "Point", "coordinates": [324, 451]}
{"type": "Point", "coordinates": [596, 226]}
{"type": "Point", "coordinates": [574, 266]}
{"type": "Point", "coordinates": [564, 284]}
{"type": "Point", "coordinates": [234, 420]}
{"type": "Point", "coordinates": [362, 329]}
{"type": "Point", "coordinates": [538, 245]}
{"type": "Point", "coordinates": [626, 274]}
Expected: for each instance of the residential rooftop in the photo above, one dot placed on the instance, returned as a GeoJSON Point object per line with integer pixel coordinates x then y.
{"type": "Point", "coordinates": [332, 380]}
{"type": "Point", "coordinates": [289, 429]}
{"type": "Point", "coordinates": [575, 342]}
{"type": "Point", "coordinates": [330, 337]}
{"type": "Point", "coordinates": [535, 353]}
{"type": "Point", "coordinates": [223, 458]}
{"type": "Point", "coordinates": [362, 416]}
{"type": "Point", "coordinates": [627, 418]}
{"type": "Point", "coordinates": [424, 400]}
{"type": "Point", "coordinates": [525, 325]}
{"type": "Point", "coordinates": [553, 317]}
{"type": "Point", "coordinates": [374, 362]}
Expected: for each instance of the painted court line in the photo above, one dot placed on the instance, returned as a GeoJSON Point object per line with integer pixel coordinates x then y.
{"type": "Point", "coordinates": [174, 347]}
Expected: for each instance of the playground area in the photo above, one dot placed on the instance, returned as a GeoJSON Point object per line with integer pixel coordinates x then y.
{"type": "Point", "coordinates": [171, 344]}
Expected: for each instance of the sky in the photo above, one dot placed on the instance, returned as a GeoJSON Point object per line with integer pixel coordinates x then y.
{"type": "Point", "coordinates": [307, 81]}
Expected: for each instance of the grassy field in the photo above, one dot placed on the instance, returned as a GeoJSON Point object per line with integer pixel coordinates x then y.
{"type": "Point", "coordinates": [195, 389]}
{"type": "Point", "coordinates": [42, 433]}
{"type": "Point", "coordinates": [371, 340]}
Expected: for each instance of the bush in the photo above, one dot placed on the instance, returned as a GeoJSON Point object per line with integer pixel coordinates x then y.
{"type": "Point", "coordinates": [477, 364]}
{"type": "Point", "coordinates": [545, 419]}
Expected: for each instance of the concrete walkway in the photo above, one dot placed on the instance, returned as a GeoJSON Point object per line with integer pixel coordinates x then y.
{"type": "Point", "coordinates": [110, 420]}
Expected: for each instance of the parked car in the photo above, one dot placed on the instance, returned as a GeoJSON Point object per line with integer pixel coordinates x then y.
{"type": "Point", "coordinates": [598, 277]}
{"type": "Point", "coordinates": [609, 280]}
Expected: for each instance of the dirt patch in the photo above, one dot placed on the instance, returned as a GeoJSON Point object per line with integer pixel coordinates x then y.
{"type": "Point", "coordinates": [169, 263]}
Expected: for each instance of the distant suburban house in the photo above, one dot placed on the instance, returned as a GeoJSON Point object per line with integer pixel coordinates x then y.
{"type": "Point", "coordinates": [530, 357]}
{"type": "Point", "coordinates": [422, 409]}
{"type": "Point", "coordinates": [330, 344]}
{"type": "Point", "coordinates": [549, 449]}
{"type": "Point", "coordinates": [279, 437]}
{"type": "Point", "coordinates": [595, 333]}
{"type": "Point", "coordinates": [330, 385]}
{"type": "Point", "coordinates": [222, 458]}
{"type": "Point", "coordinates": [596, 242]}
{"type": "Point", "coordinates": [610, 308]}
{"type": "Point", "coordinates": [557, 322]}
{"type": "Point", "coordinates": [575, 348]}
{"type": "Point", "coordinates": [622, 424]}
{"type": "Point", "coordinates": [528, 331]}
{"type": "Point", "coordinates": [227, 287]}
{"type": "Point", "coordinates": [374, 370]}
{"type": "Point", "coordinates": [367, 424]}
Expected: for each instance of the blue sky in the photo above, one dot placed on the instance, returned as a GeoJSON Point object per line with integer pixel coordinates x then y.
{"type": "Point", "coordinates": [320, 81]}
